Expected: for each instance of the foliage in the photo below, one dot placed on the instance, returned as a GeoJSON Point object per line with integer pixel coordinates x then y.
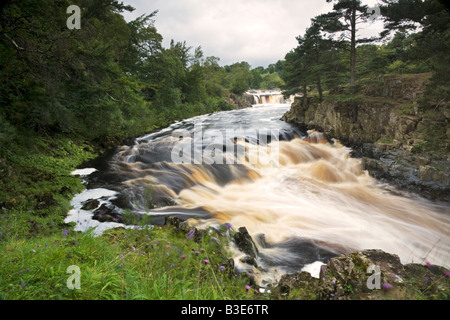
{"type": "Point", "coordinates": [321, 62]}
{"type": "Point", "coordinates": [110, 78]}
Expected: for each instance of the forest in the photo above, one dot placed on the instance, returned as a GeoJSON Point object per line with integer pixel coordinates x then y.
{"type": "Point", "coordinates": [331, 57]}
{"type": "Point", "coordinates": [70, 95]}
{"type": "Point", "coordinates": [113, 78]}
{"type": "Point", "coordinates": [110, 78]}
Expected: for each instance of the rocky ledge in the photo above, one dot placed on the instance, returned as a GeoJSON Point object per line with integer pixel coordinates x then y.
{"type": "Point", "coordinates": [398, 138]}
{"type": "Point", "coordinates": [361, 275]}
{"type": "Point", "coordinates": [369, 275]}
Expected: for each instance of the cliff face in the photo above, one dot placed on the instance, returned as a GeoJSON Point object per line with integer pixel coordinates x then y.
{"type": "Point", "coordinates": [239, 101]}
{"type": "Point", "coordinates": [384, 125]}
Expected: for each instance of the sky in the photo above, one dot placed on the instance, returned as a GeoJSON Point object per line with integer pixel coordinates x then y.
{"type": "Point", "coordinates": [260, 32]}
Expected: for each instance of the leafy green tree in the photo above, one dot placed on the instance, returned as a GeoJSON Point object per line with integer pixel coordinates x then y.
{"type": "Point", "coordinates": [239, 77]}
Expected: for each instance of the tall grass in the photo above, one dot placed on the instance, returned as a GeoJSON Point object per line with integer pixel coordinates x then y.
{"type": "Point", "coordinates": [121, 264]}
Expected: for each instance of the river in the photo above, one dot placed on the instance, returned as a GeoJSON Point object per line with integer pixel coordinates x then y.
{"type": "Point", "coordinates": [302, 198]}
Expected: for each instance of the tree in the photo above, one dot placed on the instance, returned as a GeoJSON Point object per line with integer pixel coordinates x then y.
{"type": "Point", "coordinates": [317, 59]}
{"type": "Point", "coordinates": [239, 77]}
{"type": "Point", "coordinates": [431, 45]}
{"type": "Point", "coordinates": [346, 16]}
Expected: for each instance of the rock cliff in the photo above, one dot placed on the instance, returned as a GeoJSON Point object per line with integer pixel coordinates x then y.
{"type": "Point", "coordinates": [239, 101]}
{"type": "Point", "coordinates": [398, 139]}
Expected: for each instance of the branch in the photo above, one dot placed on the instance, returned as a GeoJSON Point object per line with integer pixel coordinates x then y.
{"type": "Point", "coordinates": [112, 98]}
{"type": "Point", "coordinates": [14, 43]}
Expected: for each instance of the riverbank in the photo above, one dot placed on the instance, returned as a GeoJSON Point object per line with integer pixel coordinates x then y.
{"type": "Point", "coordinates": [142, 263]}
{"type": "Point", "coordinates": [400, 138]}
{"type": "Point", "coordinates": [157, 263]}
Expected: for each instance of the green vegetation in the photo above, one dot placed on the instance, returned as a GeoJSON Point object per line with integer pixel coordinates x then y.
{"type": "Point", "coordinates": [321, 62]}
{"type": "Point", "coordinates": [146, 263]}
{"type": "Point", "coordinates": [69, 95]}
{"type": "Point", "coordinates": [66, 96]}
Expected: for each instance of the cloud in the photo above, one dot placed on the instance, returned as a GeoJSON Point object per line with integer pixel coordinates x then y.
{"type": "Point", "coordinates": [260, 32]}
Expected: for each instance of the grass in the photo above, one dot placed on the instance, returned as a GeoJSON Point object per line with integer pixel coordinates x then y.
{"type": "Point", "coordinates": [151, 264]}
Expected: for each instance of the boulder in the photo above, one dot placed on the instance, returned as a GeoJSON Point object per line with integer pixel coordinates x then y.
{"type": "Point", "coordinates": [354, 276]}
{"type": "Point", "coordinates": [90, 204]}
{"type": "Point", "coordinates": [107, 213]}
{"type": "Point", "coordinates": [245, 244]}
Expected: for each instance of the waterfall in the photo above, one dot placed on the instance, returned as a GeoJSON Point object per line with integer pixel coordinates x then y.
{"type": "Point", "coordinates": [267, 96]}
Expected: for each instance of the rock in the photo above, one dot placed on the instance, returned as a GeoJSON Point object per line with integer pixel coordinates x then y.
{"type": "Point", "coordinates": [349, 276]}
{"type": "Point", "coordinates": [107, 213]}
{"type": "Point", "coordinates": [245, 244]}
{"type": "Point", "coordinates": [239, 101]}
{"type": "Point", "coordinates": [368, 275]}
{"type": "Point", "coordinates": [172, 221]}
{"type": "Point", "coordinates": [302, 280]}
{"type": "Point", "coordinates": [90, 204]}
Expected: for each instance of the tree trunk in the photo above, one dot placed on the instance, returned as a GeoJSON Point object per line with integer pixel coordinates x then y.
{"type": "Point", "coordinates": [353, 51]}
{"type": "Point", "coordinates": [319, 88]}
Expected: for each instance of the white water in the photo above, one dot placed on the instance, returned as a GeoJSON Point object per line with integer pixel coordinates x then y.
{"type": "Point", "coordinates": [316, 194]}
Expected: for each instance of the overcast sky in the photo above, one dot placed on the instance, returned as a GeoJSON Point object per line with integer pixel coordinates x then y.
{"type": "Point", "coordinates": [260, 32]}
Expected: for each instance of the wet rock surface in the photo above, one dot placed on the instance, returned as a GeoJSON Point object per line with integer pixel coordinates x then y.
{"type": "Point", "coordinates": [107, 213]}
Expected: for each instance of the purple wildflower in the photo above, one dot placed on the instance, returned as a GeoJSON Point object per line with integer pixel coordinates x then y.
{"type": "Point", "coordinates": [196, 253]}
{"type": "Point", "coordinates": [206, 261]}
{"type": "Point", "coordinates": [190, 234]}
{"type": "Point", "coordinates": [136, 228]}
{"type": "Point", "coordinates": [65, 233]}
{"type": "Point", "coordinates": [228, 225]}
{"type": "Point", "coordinates": [183, 256]}
{"type": "Point", "coordinates": [247, 287]}
{"type": "Point", "coordinates": [386, 286]}
{"type": "Point", "coordinates": [221, 268]}
{"type": "Point", "coordinates": [428, 264]}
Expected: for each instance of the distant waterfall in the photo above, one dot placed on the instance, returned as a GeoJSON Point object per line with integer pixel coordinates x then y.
{"type": "Point", "coordinates": [267, 96]}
